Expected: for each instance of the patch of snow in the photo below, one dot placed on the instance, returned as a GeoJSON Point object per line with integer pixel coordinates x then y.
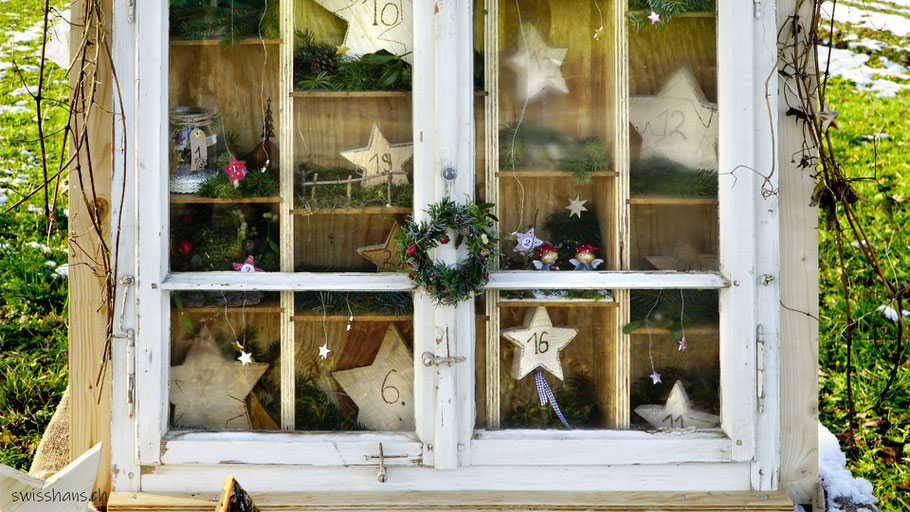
{"type": "Point", "coordinates": [21, 91]}
{"type": "Point", "coordinates": [10, 109]}
{"type": "Point", "coordinates": [38, 246]}
{"type": "Point", "coordinates": [858, 16]}
{"type": "Point", "coordinates": [35, 209]}
{"type": "Point", "coordinates": [834, 476]}
{"type": "Point", "coordinates": [5, 247]}
{"type": "Point", "coordinates": [62, 270]}
{"type": "Point", "coordinates": [3, 196]}
{"type": "Point", "coordinates": [21, 103]}
{"type": "Point", "coordinates": [28, 68]}
{"type": "Point", "coordinates": [51, 263]}
{"type": "Point", "coordinates": [852, 66]}
{"type": "Point", "coordinates": [891, 313]}
{"type": "Point", "coordinates": [868, 44]}
{"type": "Point", "coordinates": [32, 33]}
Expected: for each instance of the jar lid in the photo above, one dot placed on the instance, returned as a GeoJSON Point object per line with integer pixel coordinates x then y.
{"type": "Point", "coordinates": [192, 116]}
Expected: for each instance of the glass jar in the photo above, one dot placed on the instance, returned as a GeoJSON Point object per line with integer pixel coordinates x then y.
{"type": "Point", "coordinates": [195, 145]}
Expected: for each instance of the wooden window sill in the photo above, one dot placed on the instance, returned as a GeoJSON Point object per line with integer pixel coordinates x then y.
{"type": "Point", "coordinates": [485, 501]}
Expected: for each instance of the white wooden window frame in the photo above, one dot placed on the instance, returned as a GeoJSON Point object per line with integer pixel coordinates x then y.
{"type": "Point", "coordinates": [742, 454]}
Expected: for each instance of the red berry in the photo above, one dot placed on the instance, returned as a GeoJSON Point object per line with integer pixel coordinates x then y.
{"type": "Point", "coordinates": [184, 247]}
{"type": "Point", "coordinates": [412, 276]}
{"type": "Point", "coordinates": [444, 239]}
{"type": "Point", "coordinates": [412, 249]}
{"type": "Point", "coordinates": [187, 219]}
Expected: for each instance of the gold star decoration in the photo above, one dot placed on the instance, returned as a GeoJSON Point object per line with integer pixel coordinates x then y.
{"type": "Point", "coordinates": [537, 65]}
{"type": "Point", "coordinates": [341, 49]}
{"type": "Point", "coordinates": [72, 485]}
{"type": "Point", "coordinates": [375, 25]}
{"type": "Point", "coordinates": [385, 255]}
{"type": "Point", "coordinates": [539, 343]}
{"type": "Point", "coordinates": [676, 413]}
{"type": "Point", "coordinates": [829, 118]}
{"type": "Point", "coordinates": [209, 391]}
{"type": "Point", "coordinates": [380, 158]}
{"type": "Point", "coordinates": [684, 258]}
{"type": "Point", "coordinates": [576, 206]}
{"type": "Point", "coordinates": [678, 124]}
{"type": "Point", "coordinates": [383, 391]}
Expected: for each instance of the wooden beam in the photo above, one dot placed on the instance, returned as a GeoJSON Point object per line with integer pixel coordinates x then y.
{"type": "Point", "coordinates": [467, 501]}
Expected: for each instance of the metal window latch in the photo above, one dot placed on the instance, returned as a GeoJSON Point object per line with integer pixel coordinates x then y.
{"type": "Point", "coordinates": [431, 359]}
{"type": "Point", "coordinates": [756, 8]}
{"type": "Point", "coordinates": [129, 335]}
{"type": "Point", "coordinates": [381, 472]}
{"type": "Point", "coordinates": [760, 367]}
{"type": "Point", "coordinates": [131, 10]}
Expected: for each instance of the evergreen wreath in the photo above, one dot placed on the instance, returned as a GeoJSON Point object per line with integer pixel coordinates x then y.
{"type": "Point", "coordinates": [450, 285]}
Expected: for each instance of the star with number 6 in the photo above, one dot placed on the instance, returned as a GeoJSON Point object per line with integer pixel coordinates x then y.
{"type": "Point", "coordinates": [380, 158]}
{"type": "Point", "coordinates": [539, 343]}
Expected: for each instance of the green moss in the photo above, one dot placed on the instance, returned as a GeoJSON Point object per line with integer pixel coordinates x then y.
{"type": "Point", "coordinates": [335, 197]}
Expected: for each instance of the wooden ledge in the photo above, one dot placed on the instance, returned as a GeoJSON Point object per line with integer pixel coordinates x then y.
{"type": "Point", "coordinates": [485, 501]}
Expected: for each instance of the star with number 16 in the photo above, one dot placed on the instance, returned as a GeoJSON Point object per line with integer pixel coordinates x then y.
{"type": "Point", "coordinates": [539, 343]}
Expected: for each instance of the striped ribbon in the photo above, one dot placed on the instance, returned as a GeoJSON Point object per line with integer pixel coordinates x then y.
{"type": "Point", "coordinates": [546, 395]}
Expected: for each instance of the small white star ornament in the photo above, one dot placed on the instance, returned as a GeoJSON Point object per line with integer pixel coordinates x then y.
{"type": "Point", "coordinates": [324, 351]}
{"type": "Point", "coordinates": [71, 486]}
{"type": "Point", "coordinates": [209, 391]}
{"type": "Point", "coordinates": [576, 206]}
{"type": "Point", "coordinates": [245, 357]}
{"type": "Point", "coordinates": [537, 66]}
{"type": "Point", "coordinates": [383, 391]}
{"type": "Point", "coordinates": [380, 157]}
{"type": "Point", "coordinates": [678, 124]}
{"type": "Point", "coordinates": [374, 25]}
{"type": "Point", "coordinates": [654, 17]}
{"type": "Point", "coordinates": [539, 344]}
{"type": "Point", "coordinates": [676, 413]}
{"type": "Point", "coordinates": [527, 242]}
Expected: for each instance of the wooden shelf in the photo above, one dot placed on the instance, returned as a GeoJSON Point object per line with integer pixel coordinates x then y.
{"type": "Point", "coordinates": [266, 306]}
{"type": "Point", "coordinates": [359, 94]}
{"type": "Point", "coordinates": [197, 199]}
{"type": "Point", "coordinates": [672, 201]}
{"type": "Point", "coordinates": [369, 210]}
{"type": "Point", "coordinates": [541, 173]}
{"type": "Point", "coordinates": [698, 330]}
{"type": "Point", "coordinates": [694, 14]}
{"type": "Point", "coordinates": [247, 41]}
{"type": "Point", "coordinates": [317, 317]}
{"type": "Point", "coordinates": [578, 303]}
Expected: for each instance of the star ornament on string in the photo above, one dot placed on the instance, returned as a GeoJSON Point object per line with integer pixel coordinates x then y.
{"type": "Point", "coordinates": [539, 343]}
{"type": "Point", "coordinates": [829, 118]}
{"type": "Point", "coordinates": [379, 158]}
{"type": "Point", "coordinates": [235, 170]}
{"type": "Point", "coordinates": [245, 357]}
{"type": "Point", "coordinates": [576, 206]}
{"type": "Point", "coordinates": [538, 66]}
{"type": "Point", "coordinates": [676, 412]}
{"type": "Point", "coordinates": [247, 266]}
{"type": "Point", "coordinates": [324, 351]}
{"type": "Point", "coordinates": [655, 377]}
{"type": "Point", "coordinates": [375, 25]}
{"type": "Point", "coordinates": [654, 17]}
{"type": "Point", "coordinates": [527, 242]}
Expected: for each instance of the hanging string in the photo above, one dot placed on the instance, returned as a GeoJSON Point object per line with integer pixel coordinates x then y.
{"type": "Point", "coordinates": [596, 32]}
{"type": "Point", "coordinates": [682, 321]}
{"type": "Point", "coordinates": [648, 329]}
{"type": "Point", "coordinates": [524, 108]}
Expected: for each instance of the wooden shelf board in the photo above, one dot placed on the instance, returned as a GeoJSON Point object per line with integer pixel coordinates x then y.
{"type": "Point", "coordinates": [693, 14]}
{"type": "Point", "coordinates": [247, 41]}
{"type": "Point", "coordinates": [317, 317]}
{"type": "Point", "coordinates": [262, 307]}
{"type": "Point", "coordinates": [197, 199]}
{"type": "Point", "coordinates": [672, 201]}
{"type": "Point", "coordinates": [579, 303]}
{"type": "Point", "coordinates": [359, 94]}
{"type": "Point", "coordinates": [542, 173]}
{"type": "Point", "coordinates": [370, 210]}
{"type": "Point", "coordinates": [657, 331]}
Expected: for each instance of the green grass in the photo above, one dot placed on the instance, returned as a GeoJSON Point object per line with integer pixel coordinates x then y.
{"type": "Point", "coordinates": [33, 299]}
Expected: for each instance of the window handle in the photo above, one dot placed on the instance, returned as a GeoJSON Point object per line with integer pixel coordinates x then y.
{"type": "Point", "coordinates": [430, 359]}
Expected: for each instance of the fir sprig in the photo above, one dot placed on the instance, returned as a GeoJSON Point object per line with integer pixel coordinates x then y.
{"type": "Point", "coordinates": [659, 176]}
{"type": "Point", "coordinates": [257, 183]}
{"type": "Point", "coordinates": [317, 66]}
{"type": "Point", "coordinates": [667, 9]}
{"type": "Point", "coordinates": [192, 20]}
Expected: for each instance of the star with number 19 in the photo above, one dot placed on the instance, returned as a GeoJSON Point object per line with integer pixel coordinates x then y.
{"type": "Point", "coordinates": [539, 343]}
{"type": "Point", "coordinates": [380, 158]}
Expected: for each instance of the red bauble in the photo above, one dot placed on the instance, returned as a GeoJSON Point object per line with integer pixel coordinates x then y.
{"type": "Point", "coordinates": [412, 249]}
{"type": "Point", "coordinates": [444, 239]}
{"type": "Point", "coordinates": [184, 247]}
{"type": "Point", "coordinates": [187, 219]}
{"type": "Point", "coordinates": [412, 276]}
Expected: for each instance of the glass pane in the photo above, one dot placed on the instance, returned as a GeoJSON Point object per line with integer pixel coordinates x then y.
{"type": "Point", "coordinates": [675, 364]}
{"type": "Point", "coordinates": [673, 140]}
{"type": "Point", "coordinates": [353, 360]}
{"type": "Point", "coordinates": [353, 151]}
{"type": "Point", "coordinates": [225, 361]}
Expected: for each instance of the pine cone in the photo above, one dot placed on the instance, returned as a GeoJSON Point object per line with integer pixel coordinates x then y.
{"type": "Point", "coordinates": [324, 61]}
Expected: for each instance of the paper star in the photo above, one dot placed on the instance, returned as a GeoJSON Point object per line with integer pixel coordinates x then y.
{"type": "Point", "coordinates": [527, 242]}
{"type": "Point", "coordinates": [71, 487]}
{"type": "Point", "coordinates": [246, 266]}
{"type": "Point", "coordinates": [379, 158]}
{"type": "Point", "coordinates": [537, 65]}
{"type": "Point", "coordinates": [383, 391]}
{"type": "Point", "coordinates": [377, 25]}
{"type": "Point", "coordinates": [683, 344]}
{"type": "Point", "coordinates": [324, 351]}
{"type": "Point", "coordinates": [655, 377]}
{"type": "Point", "coordinates": [539, 343]}
{"type": "Point", "coordinates": [829, 118]}
{"type": "Point", "coordinates": [678, 124]}
{"type": "Point", "coordinates": [385, 255]}
{"type": "Point", "coordinates": [675, 413]}
{"type": "Point", "coordinates": [235, 170]}
{"type": "Point", "coordinates": [245, 358]}
{"type": "Point", "coordinates": [654, 17]}
{"type": "Point", "coordinates": [599, 33]}
{"type": "Point", "coordinates": [209, 391]}
{"type": "Point", "coordinates": [576, 206]}
{"type": "Point", "coordinates": [341, 49]}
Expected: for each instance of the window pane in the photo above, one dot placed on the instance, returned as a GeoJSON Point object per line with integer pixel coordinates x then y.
{"type": "Point", "coordinates": [353, 360]}
{"type": "Point", "coordinates": [673, 142]}
{"type": "Point", "coordinates": [353, 148]}
{"type": "Point", "coordinates": [225, 361]}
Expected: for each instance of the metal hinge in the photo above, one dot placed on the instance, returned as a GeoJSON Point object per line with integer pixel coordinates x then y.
{"type": "Point", "coordinates": [131, 10]}
{"type": "Point", "coordinates": [129, 335]}
{"type": "Point", "coordinates": [760, 367]}
{"type": "Point", "coordinates": [756, 8]}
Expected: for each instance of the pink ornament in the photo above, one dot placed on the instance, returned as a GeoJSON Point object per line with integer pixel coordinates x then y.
{"type": "Point", "coordinates": [683, 344]}
{"type": "Point", "coordinates": [247, 266]}
{"type": "Point", "coordinates": [654, 17]}
{"type": "Point", "coordinates": [236, 171]}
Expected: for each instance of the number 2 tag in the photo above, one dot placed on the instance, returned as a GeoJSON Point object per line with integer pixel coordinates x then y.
{"type": "Point", "coordinates": [199, 154]}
